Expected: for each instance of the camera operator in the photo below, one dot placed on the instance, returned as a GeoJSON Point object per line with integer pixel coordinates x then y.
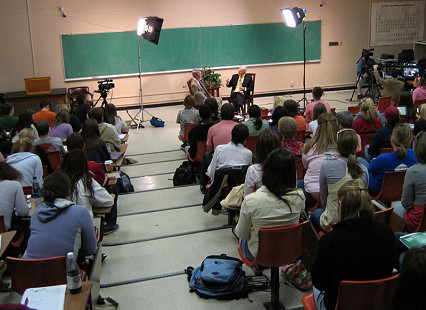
{"type": "Point", "coordinates": [364, 64]}
{"type": "Point", "coordinates": [391, 87]}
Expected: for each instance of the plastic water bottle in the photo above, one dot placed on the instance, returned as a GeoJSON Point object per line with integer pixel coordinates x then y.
{"type": "Point", "coordinates": [73, 274]}
{"type": "Point", "coordinates": [36, 189]}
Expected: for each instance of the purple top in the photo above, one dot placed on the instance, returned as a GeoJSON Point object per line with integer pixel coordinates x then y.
{"type": "Point", "coordinates": [62, 131]}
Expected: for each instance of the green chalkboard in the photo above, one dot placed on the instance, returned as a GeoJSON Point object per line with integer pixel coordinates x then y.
{"type": "Point", "coordinates": [116, 53]}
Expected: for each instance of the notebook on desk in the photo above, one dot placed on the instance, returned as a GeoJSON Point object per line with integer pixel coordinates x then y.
{"type": "Point", "coordinates": [414, 240]}
{"type": "Point", "coordinates": [116, 156]}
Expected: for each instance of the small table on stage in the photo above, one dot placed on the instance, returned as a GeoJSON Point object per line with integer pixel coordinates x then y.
{"type": "Point", "coordinates": [214, 91]}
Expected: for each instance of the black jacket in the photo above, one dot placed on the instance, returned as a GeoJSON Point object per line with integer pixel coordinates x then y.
{"type": "Point", "coordinates": [248, 83]}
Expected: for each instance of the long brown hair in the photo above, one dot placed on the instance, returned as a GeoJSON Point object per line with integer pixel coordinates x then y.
{"type": "Point", "coordinates": [62, 117]}
{"type": "Point", "coordinates": [91, 134]}
{"type": "Point", "coordinates": [402, 138]}
{"type": "Point", "coordinates": [7, 172]}
{"type": "Point", "coordinates": [369, 111]}
{"type": "Point", "coordinates": [354, 200]}
{"type": "Point", "coordinates": [325, 136]}
{"type": "Point", "coordinates": [347, 142]}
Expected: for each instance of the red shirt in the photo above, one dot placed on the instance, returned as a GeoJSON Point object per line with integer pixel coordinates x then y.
{"type": "Point", "coordinates": [361, 126]}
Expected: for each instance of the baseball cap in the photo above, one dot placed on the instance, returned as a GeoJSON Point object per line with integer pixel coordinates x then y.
{"type": "Point", "coordinates": [391, 112]}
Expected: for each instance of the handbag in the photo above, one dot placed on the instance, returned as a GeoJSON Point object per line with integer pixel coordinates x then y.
{"type": "Point", "coordinates": [156, 122]}
{"type": "Point", "coordinates": [297, 275]}
{"type": "Point", "coordinates": [234, 198]}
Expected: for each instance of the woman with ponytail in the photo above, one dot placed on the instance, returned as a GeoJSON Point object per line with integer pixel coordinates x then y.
{"type": "Point", "coordinates": [255, 124]}
{"type": "Point", "coordinates": [369, 122]}
{"type": "Point", "coordinates": [276, 203]}
{"type": "Point", "coordinates": [402, 158]}
{"type": "Point", "coordinates": [335, 173]}
{"type": "Point", "coordinates": [356, 249]}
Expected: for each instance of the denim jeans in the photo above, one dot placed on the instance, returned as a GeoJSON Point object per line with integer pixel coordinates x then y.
{"type": "Point", "coordinates": [315, 219]}
{"type": "Point", "coordinates": [309, 200]}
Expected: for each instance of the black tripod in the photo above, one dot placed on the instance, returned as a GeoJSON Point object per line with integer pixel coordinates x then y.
{"type": "Point", "coordinates": [104, 95]}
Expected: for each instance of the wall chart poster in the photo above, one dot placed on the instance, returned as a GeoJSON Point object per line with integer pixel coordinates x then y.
{"type": "Point", "coordinates": [395, 23]}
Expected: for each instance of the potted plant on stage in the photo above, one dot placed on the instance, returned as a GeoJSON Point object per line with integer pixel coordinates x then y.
{"type": "Point", "coordinates": [211, 80]}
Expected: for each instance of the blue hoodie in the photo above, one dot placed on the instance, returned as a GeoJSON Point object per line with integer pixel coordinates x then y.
{"type": "Point", "coordinates": [29, 165]}
{"type": "Point", "coordinates": [59, 228]}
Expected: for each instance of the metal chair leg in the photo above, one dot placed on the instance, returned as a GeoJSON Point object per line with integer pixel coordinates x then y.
{"type": "Point", "coordinates": [275, 304]}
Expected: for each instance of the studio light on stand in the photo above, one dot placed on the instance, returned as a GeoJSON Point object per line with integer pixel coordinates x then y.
{"type": "Point", "coordinates": [149, 28]}
{"type": "Point", "coordinates": [294, 16]}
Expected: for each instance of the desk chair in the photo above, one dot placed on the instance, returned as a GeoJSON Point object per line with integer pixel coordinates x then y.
{"type": "Point", "coordinates": [386, 150]}
{"type": "Point", "coordinates": [73, 92]}
{"type": "Point", "coordinates": [28, 273]}
{"type": "Point", "coordinates": [300, 136]}
{"type": "Point", "coordinates": [251, 142]}
{"type": "Point", "coordinates": [391, 190]}
{"type": "Point", "coordinates": [53, 155]}
{"type": "Point", "coordinates": [365, 140]}
{"type": "Point", "coordinates": [354, 110]}
{"type": "Point", "coordinates": [248, 103]}
{"type": "Point", "coordinates": [369, 295]}
{"type": "Point", "coordinates": [422, 225]}
{"type": "Point", "coordinates": [189, 86]}
{"type": "Point", "coordinates": [384, 102]}
{"type": "Point", "coordinates": [188, 127]}
{"type": "Point", "coordinates": [383, 216]}
{"type": "Point", "coordinates": [291, 238]}
{"type": "Point", "coordinates": [201, 150]}
{"type": "Point", "coordinates": [419, 102]}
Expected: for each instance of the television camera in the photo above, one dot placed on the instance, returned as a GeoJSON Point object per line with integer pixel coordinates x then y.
{"type": "Point", "coordinates": [104, 87]}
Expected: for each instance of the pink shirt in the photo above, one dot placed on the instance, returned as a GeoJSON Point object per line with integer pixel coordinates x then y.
{"type": "Point", "coordinates": [312, 162]}
{"type": "Point", "coordinates": [419, 93]}
{"type": "Point", "coordinates": [309, 111]}
{"type": "Point", "coordinates": [220, 133]}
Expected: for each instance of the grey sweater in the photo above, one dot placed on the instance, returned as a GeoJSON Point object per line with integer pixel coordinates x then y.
{"type": "Point", "coordinates": [12, 198]}
{"type": "Point", "coordinates": [414, 190]}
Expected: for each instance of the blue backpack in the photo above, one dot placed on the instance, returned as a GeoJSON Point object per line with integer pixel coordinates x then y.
{"type": "Point", "coordinates": [219, 276]}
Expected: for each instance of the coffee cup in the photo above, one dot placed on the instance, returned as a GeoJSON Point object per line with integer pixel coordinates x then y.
{"type": "Point", "coordinates": [108, 166]}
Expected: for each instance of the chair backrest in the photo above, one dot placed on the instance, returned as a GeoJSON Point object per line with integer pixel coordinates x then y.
{"type": "Point", "coordinates": [73, 92]}
{"type": "Point", "coordinates": [365, 140]}
{"type": "Point", "coordinates": [201, 150]}
{"type": "Point", "coordinates": [391, 190]}
{"type": "Point", "coordinates": [384, 102]}
{"type": "Point", "coordinates": [291, 239]}
{"type": "Point", "coordinates": [47, 147]}
{"type": "Point", "coordinates": [333, 111]}
{"type": "Point", "coordinates": [251, 142]}
{"type": "Point", "coordinates": [189, 86]}
{"type": "Point", "coordinates": [354, 110]}
{"type": "Point", "coordinates": [253, 76]}
{"type": "Point", "coordinates": [45, 171]}
{"type": "Point", "coordinates": [2, 224]}
{"type": "Point", "coordinates": [28, 190]}
{"type": "Point", "coordinates": [55, 160]}
{"type": "Point", "coordinates": [386, 150]}
{"type": "Point", "coordinates": [422, 225]}
{"type": "Point", "coordinates": [419, 102]}
{"type": "Point", "coordinates": [383, 216]}
{"type": "Point", "coordinates": [188, 127]}
{"type": "Point", "coordinates": [300, 136]}
{"type": "Point", "coordinates": [300, 169]}
{"type": "Point", "coordinates": [373, 294]}
{"type": "Point", "coordinates": [27, 273]}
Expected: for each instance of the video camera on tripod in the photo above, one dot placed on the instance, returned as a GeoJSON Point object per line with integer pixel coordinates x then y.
{"type": "Point", "coordinates": [103, 88]}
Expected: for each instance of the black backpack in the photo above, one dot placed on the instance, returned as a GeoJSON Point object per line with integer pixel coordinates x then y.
{"type": "Point", "coordinates": [184, 174]}
{"type": "Point", "coordinates": [124, 184]}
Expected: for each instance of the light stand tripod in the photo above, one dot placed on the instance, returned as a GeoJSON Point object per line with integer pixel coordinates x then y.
{"type": "Point", "coordinates": [305, 101]}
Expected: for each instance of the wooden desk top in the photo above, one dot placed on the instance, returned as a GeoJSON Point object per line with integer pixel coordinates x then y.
{"type": "Point", "coordinates": [126, 137]}
{"type": "Point", "coordinates": [6, 238]}
{"type": "Point", "coordinates": [119, 162]}
{"type": "Point", "coordinates": [78, 301]}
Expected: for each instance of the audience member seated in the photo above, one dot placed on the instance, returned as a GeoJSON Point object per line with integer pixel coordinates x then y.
{"type": "Point", "coordinates": [44, 113]}
{"type": "Point", "coordinates": [241, 87]}
{"type": "Point", "coordinates": [277, 203]}
{"type": "Point", "coordinates": [38, 150]}
{"type": "Point", "coordinates": [75, 141]}
{"type": "Point", "coordinates": [220, 133]}
{"type": "Point", "coordinates": [255, 124]}
{"type": "Point", "coordinates": [391, 87]}
{"type": "Point", "coordinates": [292, 110]}
{"type": "Point", "coordinates": [419, 92]}
{"type": "Point", "coordinates": [420, 125]}
{"type": "Point", "coordinates": [381, 138]}
{"type": "Point", "coordinates": [199, 132]}
{"type": "Point", "coordinates": [25, 121]}
{"type": "Point", "coordinates": [232, 154]}
{"type": "Point", "coordinates": [357, 248]}
{"type": "Point", "coordinates": [58, 226]}
{"type": "Point", "coordinates": [317, 93]}
{"type": "Point", "coordinates": [84, 190]}
{"type": "Point", "coordinates": [112, 118]}
{"type": "Point", "coordinates": [45, 138]}
{"type": "Point", "coordinates": [213, 106]}
{"type": "Point", "coordinates": [369, 122]}
{"type": "Point", "coordinates": [287, 126]}
{"type": "Point", "coordinates": [82, 109]}
{"type": "Point", "coordinates": [402, 158]}
{"type": "Point", "coordinates": [413, 197]}
{"type": "Point", "coordinates": [11, 195]}
{"type": "Point", "coordinates": [314, 156]}
{"type": "Point", "coordinates": [370, 102]}
{"type": "Point", "coordinates": [95, 148]}
{"type": "Point", "coordinates": [266, 142]}
{"type": "Point", "coordinates": [318, 110]}
{"type": "Point", "coordinates": [27, 163]}
{"type": "Point", "coordinates": [406, 107]}
{"type": "Point", "coordinates": [107, 131]}
{"type": "Point", "coordinates": [8, 120]}
{"type": "Point", "coordinates": [74, 121]}
{"type": "Point", "coordinates": [279, 112]}
{"type": "Point", "coordinates": [60, 127]}
{"type": "Point", "coordinates": [409, 291]}
{"type": "Point", "coordinates": [187, 115]}
{"type": "Point", "coordinates": [344, 121]}
{"type": "Point", "coordinates": [5, 143]}
{"type": "Point", "coordinates": [334, 173]}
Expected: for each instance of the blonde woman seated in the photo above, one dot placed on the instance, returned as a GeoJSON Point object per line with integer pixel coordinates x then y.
{"type": "Point", "coordinates": [369, 122]}
{"type": "Point", "coordinates": [287, 126]}
{"type": "Point", "coordinates": [314, 155]}
{"type": "Point", "coordinates": [266, 142]}
{"type": "Point", "coordinates": [277, 203]}
{"type": "Point", "coordinates": [335, 173]}
{"type": "Point", "coordinates": [356, 249]}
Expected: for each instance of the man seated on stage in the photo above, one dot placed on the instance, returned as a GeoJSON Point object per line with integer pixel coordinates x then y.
{"type": "Point", "coordinates": [44, 113]}
{"type": "Point", "coordinates": [391, 87]}
{"type": "Point", "coordinates": [242, 85]}
{"type": "Point", "coordinates": [199, 89]}
{"type": "Point", "coordinates": [45, 138]}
